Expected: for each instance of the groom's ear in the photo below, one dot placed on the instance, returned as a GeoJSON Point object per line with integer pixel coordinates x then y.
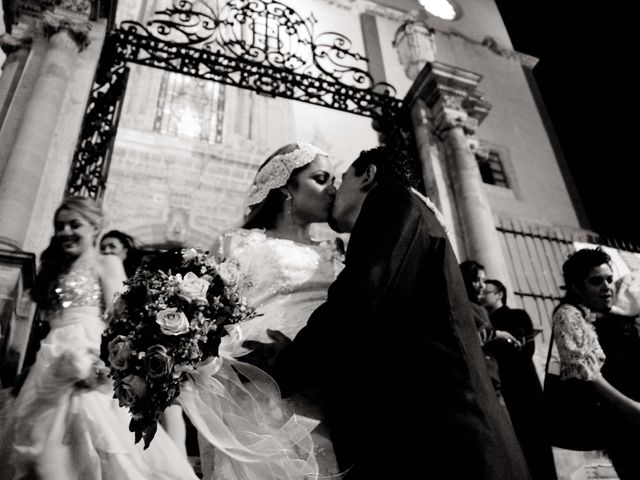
{"type": "Point", "coordinates": [368, 178]}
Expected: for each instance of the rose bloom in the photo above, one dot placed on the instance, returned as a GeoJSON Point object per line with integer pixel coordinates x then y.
{"type": "Point", "coordinates": [172, 322]}
{"type": "Point", "coordinates": [119, 305]}
{"type": "Point", "coordinates": [119, 352]}
{"type": "Point", "coordinates": [158, 363]}
{"type": "Point", "coordinates": [130, 389]}
{"type": "Point", "coordinates": [194, 288]}
{"type": "Point", "coordinates": [190, 254]}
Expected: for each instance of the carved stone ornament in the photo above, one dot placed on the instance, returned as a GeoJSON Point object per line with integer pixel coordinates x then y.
{"type": "Point", "coordinates": [53, 22]}
{"type": "Point", "coordinates": [20, 37]}
{"type": "Point", "coordinates": [415, 42]}
{"type": "Point", "coordinates": [446, 119]}
{"type": "Point", "coordinates": [78, 7]}
{"type": "Point", "coordinates": [452, 96]}
{"type": "Point", "coordinates": [480, 150]}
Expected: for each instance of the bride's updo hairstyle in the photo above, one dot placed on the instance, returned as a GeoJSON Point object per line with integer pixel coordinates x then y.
{"type": "Point", "coordinates": [265, 199]}
{"type": "Point", "coordinates": [53, 260]}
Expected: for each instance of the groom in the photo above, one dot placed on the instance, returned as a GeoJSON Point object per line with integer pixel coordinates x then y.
{"type": "Point", "coordinates": [394, 351]}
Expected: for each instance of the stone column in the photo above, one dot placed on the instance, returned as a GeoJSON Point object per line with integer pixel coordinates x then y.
{"type": "Point", "coordinates": [454, 110]}
{"type": "Point", "coordinates": [16, 48]}
{"type": "Point", "coordinates": [25, 165]}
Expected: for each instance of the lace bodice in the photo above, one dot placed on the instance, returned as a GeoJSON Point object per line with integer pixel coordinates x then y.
{"type": "Point", "coordinates": [581, 355]}
{"type": "Point", "coordinates": [284, 280]}
{"type": "Point", "coordinates": [273, 266]}
{"type": "Point", "coordinates": [79, 288]}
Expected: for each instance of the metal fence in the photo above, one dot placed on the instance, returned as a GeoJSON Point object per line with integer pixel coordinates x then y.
{"type": "Point", "coordinates": [535, 255]}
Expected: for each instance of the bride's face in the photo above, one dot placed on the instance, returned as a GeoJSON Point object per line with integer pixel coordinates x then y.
{"type": "Point", "coordinates": [312, 191]}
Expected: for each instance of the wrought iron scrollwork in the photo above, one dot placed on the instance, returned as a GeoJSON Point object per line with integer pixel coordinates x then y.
{"type": "Point", "coordinates": [97, 135]}
{"type": "Point", "coordinates": [266, 32]}
{"type": "Point", "coordinates": [260, 45]}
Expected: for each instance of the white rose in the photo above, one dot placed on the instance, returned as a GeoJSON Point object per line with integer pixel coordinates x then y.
{"type": "Point", "coordinates": [119, 305]}
{"type": "Point", "coordinates": [190, 254]}
{"type": "Point", "coordinates": [172, 322]}
{"type": "Point", "coordinates": [193, 287]}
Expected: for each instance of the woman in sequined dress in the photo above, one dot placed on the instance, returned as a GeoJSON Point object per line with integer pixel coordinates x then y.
{"type": "Point", "coordinates": [285, 273]}
{"type": "Point", "coordinates": [65, 423]}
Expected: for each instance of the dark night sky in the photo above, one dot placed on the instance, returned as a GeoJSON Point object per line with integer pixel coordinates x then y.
{"type": "Point", "coordinates": [588, 90]}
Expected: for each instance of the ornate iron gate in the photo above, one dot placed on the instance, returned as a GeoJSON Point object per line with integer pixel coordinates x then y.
{"type": "Point", "coordinates": [261, 45]}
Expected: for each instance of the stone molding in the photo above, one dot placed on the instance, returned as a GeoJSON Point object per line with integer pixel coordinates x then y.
{"type": "Point", "coordinates": [383, 11]}
{"type": "Point", "coordinates": [81, 8]}
{"type": "Point", "coordinates": [78, 29]}
{"type": "Point", "coordinates": [344, 4]}
{"type": "Point", "coordinates": [78, 8]}
{"type": "Point", "coordinates": [493, 45]}
{"type": "Point", "coordinates": [488, 42]}
{"type": "Point", "coordinates": [21, 36]}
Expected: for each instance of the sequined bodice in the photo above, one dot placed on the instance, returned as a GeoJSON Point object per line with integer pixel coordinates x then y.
{"type": "Point", "coordinates": [79, 288]}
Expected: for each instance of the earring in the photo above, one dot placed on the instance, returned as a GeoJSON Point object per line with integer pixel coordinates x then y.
{"type": "Point", "coordinates": [287, 204]}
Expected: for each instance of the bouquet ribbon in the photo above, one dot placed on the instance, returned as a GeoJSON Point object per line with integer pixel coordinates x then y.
{"type": "Point", "coordinates": [237, 408]}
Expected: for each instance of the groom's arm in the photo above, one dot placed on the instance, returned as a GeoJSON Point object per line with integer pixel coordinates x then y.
{"type": "Point", "coordinates": [381, 238]}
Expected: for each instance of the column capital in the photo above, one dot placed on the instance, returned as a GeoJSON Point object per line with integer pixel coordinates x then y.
{"type": "Point", "coordinates": [77, 27]}
{"type": "Point", "coordinates": [452, 96]}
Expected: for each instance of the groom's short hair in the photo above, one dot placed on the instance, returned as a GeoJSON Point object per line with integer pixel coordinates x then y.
{"type": "Point", "coordinates": [391, 166]}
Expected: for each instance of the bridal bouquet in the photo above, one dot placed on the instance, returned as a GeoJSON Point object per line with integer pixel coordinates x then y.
{"type": "Point", "coordinates": [169, 321]}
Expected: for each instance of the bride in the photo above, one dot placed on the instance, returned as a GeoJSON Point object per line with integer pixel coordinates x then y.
{"type": "Point", "coordinates": [65, 423]}
{"type": "Point", "coordinates": [285, 273]}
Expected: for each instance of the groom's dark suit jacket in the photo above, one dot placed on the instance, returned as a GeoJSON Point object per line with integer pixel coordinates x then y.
{"type": "Point", "coordinates": [396, 356]}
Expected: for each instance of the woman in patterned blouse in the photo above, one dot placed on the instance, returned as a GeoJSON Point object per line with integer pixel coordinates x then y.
{"type": "Point", "coordinates": [589, 282]}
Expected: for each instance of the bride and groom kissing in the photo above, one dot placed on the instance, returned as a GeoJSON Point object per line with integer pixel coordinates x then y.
{"type": "Point", "coordinates": [382, 349]}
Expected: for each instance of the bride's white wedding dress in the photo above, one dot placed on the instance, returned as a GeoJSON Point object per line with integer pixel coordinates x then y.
{"type": "Point", "coordinates": [58, 428]}
{"type": "Point", "coordinates": [285, 281]}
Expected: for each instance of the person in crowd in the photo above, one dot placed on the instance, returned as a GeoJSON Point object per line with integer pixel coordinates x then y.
{"type": "Point", "coordinates": [405, 394]}
{"type": "Point", "coordinates": [520, 384]}
{"type": "Point", "coordinates": [588, 278]}
{"type": "Point", "coordinates": [65, 422]}
{"type": "Point", "coordinates": [123, 246]}
{"type": "Point", "coordinates": [619, 336]}
{"type": "Point", "coordinates": [473, 275]}
{"type": "Point", "coordinates": [285, 272]}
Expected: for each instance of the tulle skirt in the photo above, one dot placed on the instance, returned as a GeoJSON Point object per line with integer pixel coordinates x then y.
{"type": "Point", "coordinates": [61, 430]}
{"type": "Point", "coordinates": [245, 431]}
